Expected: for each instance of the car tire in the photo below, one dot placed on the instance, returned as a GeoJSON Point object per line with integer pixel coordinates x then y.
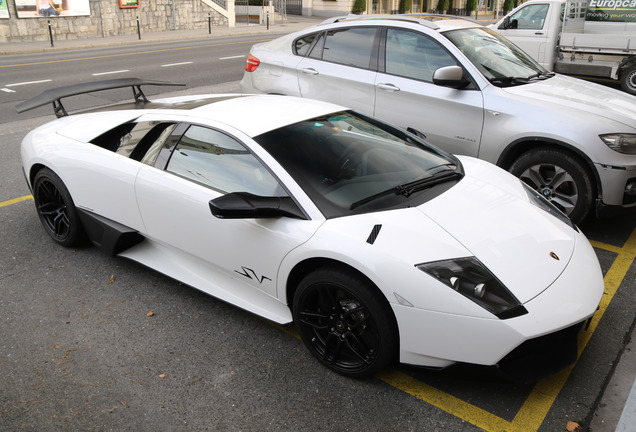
{"type": "Point", "coordinates": [56, 210]}
{"type": "Point", "coordinates": [628, 79]}
{"type": "Point", "coordinates": [558, 176]}
{"type": "Point", "coordinates": [345, 322]}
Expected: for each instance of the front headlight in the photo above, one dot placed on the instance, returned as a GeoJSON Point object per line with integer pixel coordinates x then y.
{"type": "Point", "coordinates": [620, 142]}
{"type": "Point", "coordinates": [539, 201]}
{"type": "Point", "coordinates": [469, 277]}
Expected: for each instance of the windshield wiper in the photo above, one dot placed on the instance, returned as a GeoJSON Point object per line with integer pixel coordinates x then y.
{"type": "Point", "coordinates": [509, 81]}
{"type": "Point", "coordinates": [407, 189]}
{"type": "Point", "coordinates": [540, 76]}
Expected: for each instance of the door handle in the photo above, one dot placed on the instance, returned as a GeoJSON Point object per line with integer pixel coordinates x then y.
{"type": "Point", "coordinates": [539, 33]}
{"type": "Point", "coordinates": [389, 87]}
{"type": "Point", "coordinates": [309, 71]}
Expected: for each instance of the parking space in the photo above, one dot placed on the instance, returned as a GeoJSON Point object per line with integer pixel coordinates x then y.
{"type": "Point", "coordinates": [92, 342]}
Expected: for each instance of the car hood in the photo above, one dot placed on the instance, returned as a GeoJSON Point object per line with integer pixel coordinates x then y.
{"type": "Point", "coordinates": [561, 92]}
{"type": "Point", "coordinates": [486, 215]}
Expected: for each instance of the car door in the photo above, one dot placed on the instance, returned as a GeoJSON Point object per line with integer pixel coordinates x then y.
{"type": "Point", "coordinates": [341, 68]}
{"type": "Point", "coordinates": [406, 96]}
{"type": "Point", "coordinates": [174, 203]}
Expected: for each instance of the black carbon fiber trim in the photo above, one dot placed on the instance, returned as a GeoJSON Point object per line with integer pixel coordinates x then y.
{"type": "Point", "coordinates": [374, 234]}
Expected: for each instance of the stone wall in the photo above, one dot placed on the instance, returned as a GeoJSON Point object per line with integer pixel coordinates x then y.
{"type": "Point", "coordinates": [108, 19]}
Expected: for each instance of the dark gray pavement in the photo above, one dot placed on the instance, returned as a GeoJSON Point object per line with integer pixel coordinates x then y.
{"type": "Point", "coordinates": [615, 410]}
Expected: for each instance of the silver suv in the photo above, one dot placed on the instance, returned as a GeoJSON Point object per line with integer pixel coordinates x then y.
{"type": "Point", "coordinates": [471, 92]}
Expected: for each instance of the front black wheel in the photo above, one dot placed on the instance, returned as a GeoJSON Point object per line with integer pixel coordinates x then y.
{"type": "Point", "coordinates": [559, 177]}
{"type": "Point", "coordinates": [345, 322]}
{"type": "Point", "coordinates": [56, 209]}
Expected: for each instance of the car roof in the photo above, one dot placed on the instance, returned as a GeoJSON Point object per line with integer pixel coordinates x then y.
{"type": "Point", "coordinates": [256, 114]}
{"type": "Point", "coordinates": [431, 21]}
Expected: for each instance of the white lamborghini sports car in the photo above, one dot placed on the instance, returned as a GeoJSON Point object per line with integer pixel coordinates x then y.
{"type": "Point", "coordinates": [379, 246]}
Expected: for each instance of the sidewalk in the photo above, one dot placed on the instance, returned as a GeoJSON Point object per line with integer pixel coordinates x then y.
{"type": "Point", "coordinates": [615, 409]}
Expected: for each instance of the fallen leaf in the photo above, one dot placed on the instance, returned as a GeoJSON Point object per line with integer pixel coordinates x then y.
{"type": "Point", "coordinates": [162, 376]}
{"type": "Point", "coordinates": [573, 427]}
{"type": "Point", "coordinates": [112, 279]}
{"type": "Point", "coordinates": [151, 313]}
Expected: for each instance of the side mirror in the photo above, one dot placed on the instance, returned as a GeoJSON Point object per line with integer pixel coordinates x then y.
{"type": "Point", "coordinates": [505, 24]}
{"type": "Point", "coordinates": [244, 205]}
{"type": "Point", "coordinates": [450, 76]}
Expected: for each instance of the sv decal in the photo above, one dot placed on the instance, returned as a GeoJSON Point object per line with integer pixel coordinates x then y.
{"type": "Point", "coordinates": [251, 274]}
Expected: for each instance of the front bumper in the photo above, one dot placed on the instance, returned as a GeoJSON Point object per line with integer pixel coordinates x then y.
{"type": "Point", "coordinates": [434, 339]}
{"type": "Point", "coordinates": [618, 185]}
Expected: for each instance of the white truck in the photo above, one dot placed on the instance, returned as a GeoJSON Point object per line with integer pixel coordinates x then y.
{"type": "Point", "coordinates": [596, 39]}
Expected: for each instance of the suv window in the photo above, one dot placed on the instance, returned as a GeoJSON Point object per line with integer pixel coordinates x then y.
{"type": "Point", "coordinates": [414, 55]}
{"type": "Point", "coordinates": [214, 159]}
{"type": "Point", "coordinates": [302, 45]}
{"type": "Point", "coordinates": [351, 47]}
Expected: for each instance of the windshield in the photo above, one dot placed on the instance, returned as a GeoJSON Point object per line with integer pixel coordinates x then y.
{"type": "Point", "coordinates": [500, 61]}
{"type": "Point", "coordinates": [348, 163]}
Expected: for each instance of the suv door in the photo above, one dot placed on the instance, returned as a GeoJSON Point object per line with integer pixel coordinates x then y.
{"type": "Point", "coordinates": [341, 68]}
{"type": "Point", "coordinates": [406, 96]}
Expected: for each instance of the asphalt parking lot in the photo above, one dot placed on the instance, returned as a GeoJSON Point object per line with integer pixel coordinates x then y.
{"type": "Point", "coordinates": [92, 342]}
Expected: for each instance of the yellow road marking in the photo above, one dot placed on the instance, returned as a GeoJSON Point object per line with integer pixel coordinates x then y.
{"type": "Point", "coordinates": [132, 53]}
{"type": "Point", "coordinates": [15, 201]}
{"type": "Point", "coordinates": [538, 403]}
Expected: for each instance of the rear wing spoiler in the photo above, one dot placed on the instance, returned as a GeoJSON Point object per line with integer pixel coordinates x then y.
{"type": "Point", "coordinates": [55, 96]}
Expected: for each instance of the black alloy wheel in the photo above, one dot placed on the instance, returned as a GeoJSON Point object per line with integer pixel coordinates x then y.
{"type": "Point", "coordinates": [345, 322]}
{"type": "Point", "coordinates": [56, 209]}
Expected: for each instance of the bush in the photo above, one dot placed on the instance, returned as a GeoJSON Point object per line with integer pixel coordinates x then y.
{"type": "Point", "coordinates": [471, 5]}
{"type": "Point", "coordinates": [405, 5]}
{"type": "Point", "coordinates": [507, 6]}
{"type": "Point", "coordinates": [359, 6]}
{"type": "Point", "coordinates": [442, 5]}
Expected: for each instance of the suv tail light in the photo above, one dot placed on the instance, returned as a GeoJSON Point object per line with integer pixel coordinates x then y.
{"type": "Point", "coordinates": [252, 63]}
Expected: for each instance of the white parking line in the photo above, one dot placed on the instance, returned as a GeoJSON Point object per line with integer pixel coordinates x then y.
{"type": "Point", "coordinates": [233, 57]}
{"type": "Point", "coordinates": [176, 64]}
{"type": "Point", "coordinates": [27, 83]}
{"type": "Point", "coordinates": [111, 72]}
{"type": "Point", "coordinates": [6, 90]}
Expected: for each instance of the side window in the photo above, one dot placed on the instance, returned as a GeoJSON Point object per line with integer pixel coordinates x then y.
{"type": "Point", "coordinates": [316, 52]}
{"type": "Point", "coordinates": [531, 17]}
{"type": "Point", "coordinates": [133, 139]}
{"type": "Point", "coordinates": [414, 55]}
{"type": "Point", "coordinates": [214, 159]}
{"type": "Point", "coordinates": [351, 47]}
{"type": "Point", "coordinates": [302, 45]}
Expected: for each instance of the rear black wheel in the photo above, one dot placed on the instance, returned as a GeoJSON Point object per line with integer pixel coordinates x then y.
{"type": "Point", "coordinates": [345, 322]}
{"type": "Point", "coordinates": [56, 209]}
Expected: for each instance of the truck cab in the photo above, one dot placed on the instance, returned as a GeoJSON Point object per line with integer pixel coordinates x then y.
{"type": "Point", "coordinates": [535, 27]}
{"type": "Point", "coordinates": [576, 38]}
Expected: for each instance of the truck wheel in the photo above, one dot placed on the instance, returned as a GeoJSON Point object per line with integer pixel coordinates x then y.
{"type": "Point", "coordinates": [559, 177]}
{"type": "Point", "coordinates": [628, 79]}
